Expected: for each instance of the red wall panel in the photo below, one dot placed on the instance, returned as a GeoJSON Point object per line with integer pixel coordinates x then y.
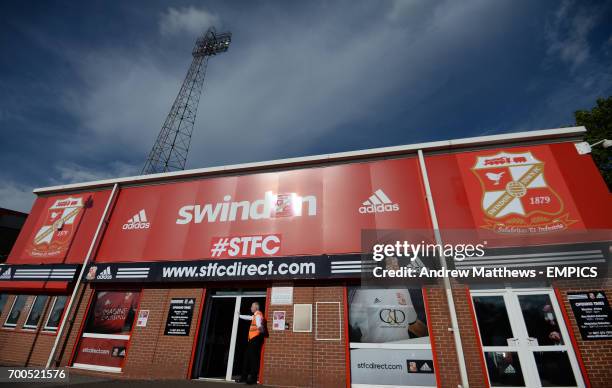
{"type": "Point", "coordinates": [41, 241]}
{"type": "Point", "coordinates": [336, 203]}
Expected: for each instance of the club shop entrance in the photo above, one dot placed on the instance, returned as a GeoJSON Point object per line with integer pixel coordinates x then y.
{"type": "Point", "coordinates": [524, 339]}
{"type": "Point", "coordinates": [223, 335]}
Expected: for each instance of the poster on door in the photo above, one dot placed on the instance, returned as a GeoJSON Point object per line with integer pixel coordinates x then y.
{"type": "Point", "coordinates": [101, 353]}
{"type": "Point", "coordinates": [393, 367]}
{"type": "Point", "coordinates": [381, 315]}
{"type": "Point", "coordinates": [104, 342]}
{"type": "Point", "coordinates": [592, 312]}
{"type": "Point", "coordinates": [113, 312]}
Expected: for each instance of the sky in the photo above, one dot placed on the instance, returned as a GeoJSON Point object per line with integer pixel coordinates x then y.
{"type": "Point", "coordinates": [86, 86]}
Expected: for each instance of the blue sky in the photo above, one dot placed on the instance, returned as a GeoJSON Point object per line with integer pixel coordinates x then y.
{"type": "Point", "coordinates": [85, 86]}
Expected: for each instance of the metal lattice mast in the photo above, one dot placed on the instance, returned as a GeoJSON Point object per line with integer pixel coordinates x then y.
{"type": "Point", "coordinates": [170, 150]}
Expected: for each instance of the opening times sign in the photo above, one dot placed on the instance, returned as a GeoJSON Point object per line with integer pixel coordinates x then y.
{"type": "Point", "coordinates": [592, 312]}
{"type": "Point", "coordinates": [180, 315]}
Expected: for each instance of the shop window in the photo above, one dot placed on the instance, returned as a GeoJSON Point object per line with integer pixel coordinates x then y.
{"type": "Point", "coordinates": [15, 312]}
{"type": "Point", "coordinates": [389, 338]}
{"type": "Point", "coordinates": [55, 313]}
{"type": "Point", "coordinates": [3, 299]}
{"type": "Point", "coordinates": [36, 312]}
{"type": "Point", "coordinates": [106, 335]}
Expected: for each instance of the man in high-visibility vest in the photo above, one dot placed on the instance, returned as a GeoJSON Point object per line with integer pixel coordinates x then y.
{"type": "Point", "coordinates": [250, 363]}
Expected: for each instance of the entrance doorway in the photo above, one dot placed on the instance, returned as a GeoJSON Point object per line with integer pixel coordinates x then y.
{"type": "Point", "coordinates": [524, 339]}
{"type": "Point", "coordinates": [225, 336]}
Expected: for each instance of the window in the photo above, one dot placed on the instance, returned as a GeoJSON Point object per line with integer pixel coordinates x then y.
{"type": "Point", "coordinates": [388, 329]}
{"type": "Point", "coordinates": [16, 308]}
{"type": "Point", "coordinates": [36, 312]}
{"type": "Point", "coordinates": [3, 299]}
{"type": "Point", "coordinates": [55, 313]}
{"type": "Point", "coordinates": [107, 331]}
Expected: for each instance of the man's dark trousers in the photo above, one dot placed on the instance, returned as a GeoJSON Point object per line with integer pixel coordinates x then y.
{"type": "Point", "coordinates": [250, 366]}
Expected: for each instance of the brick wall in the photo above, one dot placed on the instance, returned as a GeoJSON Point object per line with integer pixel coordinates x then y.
{"type": "Point", "coordinates": [299, 359]}
{"type": "Point", "coordinates": [19, 346]}
{"type": "Point", "coordinates": [152, 354]}
{"type": "Point", "coordinates": [596, 355]}
{"type": "Point", "coordinates": [446, 355]}
{"type": "Point", "coordinates": [470, 341]}
{"type": "Point", "coordinates": [290, 359]}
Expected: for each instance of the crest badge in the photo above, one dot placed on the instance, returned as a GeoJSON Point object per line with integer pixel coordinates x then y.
{"type": "Point", "coordinates": [53, 237]}
{"type": "Point", "coordinates": [515, 195]}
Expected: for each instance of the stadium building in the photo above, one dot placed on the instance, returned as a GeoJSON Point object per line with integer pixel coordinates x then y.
{"type": "Point", "coordinates": [144, 277]}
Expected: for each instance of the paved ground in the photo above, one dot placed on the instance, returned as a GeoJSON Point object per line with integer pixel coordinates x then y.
{"type": "Point", "coordinates": [96, 382]}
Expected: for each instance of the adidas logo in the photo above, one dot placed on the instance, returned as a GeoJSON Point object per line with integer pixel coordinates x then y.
{"type": "Point", "coordinates": [105, 275]}
{"type": "Point", "coordinates": [378, 203]}
{"type": "Point", "coordinates": [376, 300]}
{"type": "Point", "coordinates": [139, 221]}
{"type": "Point", "coordinates": [6, 274]}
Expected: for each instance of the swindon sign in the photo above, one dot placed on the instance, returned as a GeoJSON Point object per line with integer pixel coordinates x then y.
{"type": "Point", "coordinates": [304, 212]}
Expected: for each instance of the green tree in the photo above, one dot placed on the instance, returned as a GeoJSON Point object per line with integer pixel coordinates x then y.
{"type": "Point", "coordinates": [598, 122]}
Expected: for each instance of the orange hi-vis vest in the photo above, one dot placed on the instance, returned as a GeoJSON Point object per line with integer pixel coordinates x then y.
{"type": "Point", "coordinates": [253, 330]}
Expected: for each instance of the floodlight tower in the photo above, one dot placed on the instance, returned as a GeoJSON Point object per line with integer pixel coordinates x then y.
{"type": "Point", "coordinates": [170, 150]}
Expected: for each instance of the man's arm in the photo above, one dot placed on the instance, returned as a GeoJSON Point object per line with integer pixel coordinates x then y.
{"type": "Point", "coordinates": [246, 317]}
{"type": "Point", "coordinates": [259, 323]}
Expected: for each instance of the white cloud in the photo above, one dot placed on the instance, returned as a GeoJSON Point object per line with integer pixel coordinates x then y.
{"type": "Point", "coordinates": [72, 173]}
{"type": "Point", "coordinates": [189, 20]}
{"type": "Point", "coordinates": [15, 196]}
{"type": "Point", "coordinates": [279, 94]}
{"type": "Point", "coordinates": [567, 34]}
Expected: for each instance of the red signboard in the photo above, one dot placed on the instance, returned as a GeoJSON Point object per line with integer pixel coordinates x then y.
{"type": "Point", "coordinates": [300, 212]}
{"type": "Point", "coordinates": [104, 352]}
{"type": "Point", "coordinates": [516, 194]}
{"type": "Point", "coordinates": [59, 229]}
{"type": "Point", "coordinates": [517, 191]}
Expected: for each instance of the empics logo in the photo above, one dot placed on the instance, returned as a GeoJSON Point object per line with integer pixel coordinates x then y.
{"type": "Point", "coordinates": [378, 203]}
{"type": "Point", "coordinates": [138, 221]}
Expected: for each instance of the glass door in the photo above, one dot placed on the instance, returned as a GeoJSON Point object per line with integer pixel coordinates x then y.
{"type": "Point", "coordinates": [218, 337]}
{"type": "Point", "coordinates": [525, 343]}
{"type": "Point", "coordinates": [226, 335]}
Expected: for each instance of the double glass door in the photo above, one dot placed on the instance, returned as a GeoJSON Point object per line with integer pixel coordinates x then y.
{"type": "Point", "coordinates": [524, 339]}
{"type": "Point", "coordinates": [226, 335]}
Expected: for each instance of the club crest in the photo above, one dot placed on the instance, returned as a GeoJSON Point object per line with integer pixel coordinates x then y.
{"type": "Point", "coordinates": [515, 195]}
{"type": "Point", "coordinates": [53, 237]}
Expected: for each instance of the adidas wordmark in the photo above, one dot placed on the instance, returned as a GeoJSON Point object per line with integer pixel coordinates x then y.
{"type": "Point", "coordinates": [378, 202]}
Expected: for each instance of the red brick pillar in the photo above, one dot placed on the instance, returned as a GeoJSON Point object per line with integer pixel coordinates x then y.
{"type": "Point", "coordinates": [315, 359]}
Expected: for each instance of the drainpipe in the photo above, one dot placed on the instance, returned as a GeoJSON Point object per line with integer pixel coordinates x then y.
{"type": "Point", "coordinates": [68, 313]}
{"type": "Point", "coordinates": [447, 284]}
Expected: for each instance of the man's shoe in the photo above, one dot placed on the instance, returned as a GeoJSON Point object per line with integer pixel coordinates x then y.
{"type": "Point", "coordinates": [240, 380]}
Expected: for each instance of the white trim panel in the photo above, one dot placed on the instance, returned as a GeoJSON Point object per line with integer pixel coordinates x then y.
{"type": "Point", "coordinates": [98, 368]}
{"type": "Point", "coordinates": [107, 336]}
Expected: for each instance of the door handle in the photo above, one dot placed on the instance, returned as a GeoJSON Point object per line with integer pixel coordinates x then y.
{"type": "Point", "coordinates": [513, 341]}
{"type": "Point", "coordinates": [532, 341]}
